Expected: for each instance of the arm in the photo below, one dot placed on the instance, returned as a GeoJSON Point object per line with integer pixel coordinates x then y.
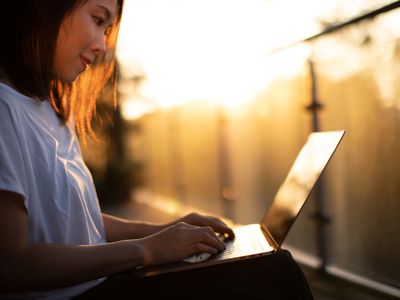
{"type": "Point", "coordinates": [30, 267]}
{"type": "Point", "coordinates": [50, 265]}
{"type": "Point", "coordinates": [121, 229]}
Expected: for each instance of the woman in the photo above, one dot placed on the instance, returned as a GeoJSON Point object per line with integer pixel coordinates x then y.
{"type": "Point", "coordinates": [55, 243]}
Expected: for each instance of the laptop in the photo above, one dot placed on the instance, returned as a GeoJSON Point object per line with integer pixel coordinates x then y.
{"type": "Point", "coordinates": [265, 238]}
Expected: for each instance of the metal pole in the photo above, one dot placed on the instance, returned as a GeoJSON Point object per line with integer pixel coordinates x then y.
{"type": "Point", "coordinates": [224, 168]}
{"type": "Point", "coordinates": [319, 214]}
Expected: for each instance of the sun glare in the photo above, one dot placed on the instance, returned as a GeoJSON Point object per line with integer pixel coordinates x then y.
{"type": "Point", "coordinates": [212, 50]}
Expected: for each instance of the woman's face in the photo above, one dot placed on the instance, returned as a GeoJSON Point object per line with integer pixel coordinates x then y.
{"type": "Point", "coordinates": [82, 38]}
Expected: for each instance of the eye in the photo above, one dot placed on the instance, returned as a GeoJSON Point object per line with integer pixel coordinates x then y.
{"type": "Point", "coordinates": [99, 20]}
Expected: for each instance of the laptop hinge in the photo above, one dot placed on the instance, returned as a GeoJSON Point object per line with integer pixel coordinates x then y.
{"type": "Point", "coordinates": [269, 237]}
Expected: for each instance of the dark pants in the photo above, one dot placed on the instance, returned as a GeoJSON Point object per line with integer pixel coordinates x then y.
{"type": "Point", "coordinates": [275, 276]}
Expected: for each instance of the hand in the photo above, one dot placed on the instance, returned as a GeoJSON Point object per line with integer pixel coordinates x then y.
{"type": "Point", "coordinates": [178, 242]}
{"type": "Point", "coordinates": [215, 223]}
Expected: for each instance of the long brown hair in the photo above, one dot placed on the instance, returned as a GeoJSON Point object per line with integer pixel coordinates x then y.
{"type": "Point", "coordinates": [28, 31]}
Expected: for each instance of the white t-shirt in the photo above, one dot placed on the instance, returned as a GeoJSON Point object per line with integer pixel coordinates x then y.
{"type": "Point", "coordinates": [40, 159]}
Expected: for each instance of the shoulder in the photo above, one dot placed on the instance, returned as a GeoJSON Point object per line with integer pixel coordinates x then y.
{"type": "Point", "coordinates": [14, 106]}
{"type": "Point", "coordinates": [10, 100]}
{"type": "Point", "coordinates": [8, 106]}
{"type": "Point", "coordinates": [18, 113]}
{"type": "Point", "coordinates": [10, 97]}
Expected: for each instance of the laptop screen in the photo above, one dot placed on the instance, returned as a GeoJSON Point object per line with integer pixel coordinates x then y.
{"type": "Point", "coordinates": [296, 188]}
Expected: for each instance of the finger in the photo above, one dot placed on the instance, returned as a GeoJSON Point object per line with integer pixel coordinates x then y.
{"type": "Point", "coordinates": [215, 236]}
{"type": "Point", "coordinates": [208, 220]}
{"type": "Point", "coordinates": [203, 248]}
{"type": "Point", "coordinates": [194, 234]}
{"type": "Point", "coordinates": [220, 226]}
{"type": "Point", "coordinates": [185, 225]}
{"type": "Point", "coordinates": [203, 235]}
{"type": "Point", "coordinates": [215, 223]}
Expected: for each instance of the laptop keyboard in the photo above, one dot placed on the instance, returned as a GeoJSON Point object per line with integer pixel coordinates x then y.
{"type": "Point", "coordinates": [246, 242]}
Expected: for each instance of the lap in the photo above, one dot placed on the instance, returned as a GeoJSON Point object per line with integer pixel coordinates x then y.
{"type": "Point", "coordinates": [275, 276]}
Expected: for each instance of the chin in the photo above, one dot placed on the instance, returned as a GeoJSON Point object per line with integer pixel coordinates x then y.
{"type": "Point", "coordinates": [70, 79]}
{"type": "Point", "coordinates": [71, 76]}
{"type": "Point", "coordinates": [75, 79]}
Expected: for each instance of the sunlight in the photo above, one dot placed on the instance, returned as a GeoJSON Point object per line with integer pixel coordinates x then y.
{"type": "Point", "coordinates": [212, 50]}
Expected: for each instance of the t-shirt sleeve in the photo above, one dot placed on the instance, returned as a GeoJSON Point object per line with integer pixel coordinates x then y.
{"type": "Point", "coordinates": [12, 169]}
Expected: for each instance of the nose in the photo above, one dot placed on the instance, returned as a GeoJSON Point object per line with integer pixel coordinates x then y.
{"type": "Point", "coordinates": [99, 44]}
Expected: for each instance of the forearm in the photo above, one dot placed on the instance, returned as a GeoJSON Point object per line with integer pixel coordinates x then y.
{"type": "Point", "coordinates": [48, 266]}
{"type": "Point", "coordinates": [118, 229]}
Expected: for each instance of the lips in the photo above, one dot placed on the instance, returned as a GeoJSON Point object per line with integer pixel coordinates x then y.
{"type": "Point", "coordinates": [85, 61]}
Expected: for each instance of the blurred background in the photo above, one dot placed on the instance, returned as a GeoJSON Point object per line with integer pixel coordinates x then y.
{"type": "Point", "coordinates": [217, 97]}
